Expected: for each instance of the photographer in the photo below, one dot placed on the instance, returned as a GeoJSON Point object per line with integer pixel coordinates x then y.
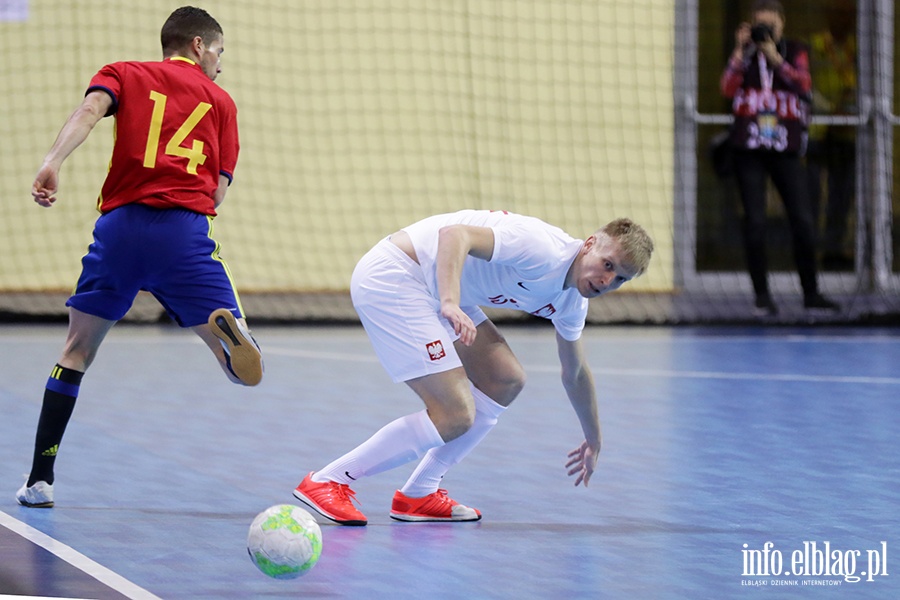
{"type": "Point", "coordinates": [767, 78]}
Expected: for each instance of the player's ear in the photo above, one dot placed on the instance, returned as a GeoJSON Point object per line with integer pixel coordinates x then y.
{"type": "Point", "coordinates": [197, 45]}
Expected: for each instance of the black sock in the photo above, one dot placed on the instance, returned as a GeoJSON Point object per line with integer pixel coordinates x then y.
{"type": "Point", "coordinates": [59, 402]}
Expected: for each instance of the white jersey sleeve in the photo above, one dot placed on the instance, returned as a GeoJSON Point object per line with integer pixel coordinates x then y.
{"type": "Point", "coordinates": [527, 269]}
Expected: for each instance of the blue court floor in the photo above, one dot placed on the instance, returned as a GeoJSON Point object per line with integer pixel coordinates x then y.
{"type": "Point", "coordinates": [737, 463]}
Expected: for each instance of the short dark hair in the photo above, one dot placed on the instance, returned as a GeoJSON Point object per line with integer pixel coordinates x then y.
{"type": "Point", "coordinates": [768, 6]}
{"type": "Point", "coordinates": [186, 23]}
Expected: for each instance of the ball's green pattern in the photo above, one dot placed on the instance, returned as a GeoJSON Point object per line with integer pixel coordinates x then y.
{"type": "Point", "coordinates": [275, 570]}
{"type": "Point", "coordinates": [284, 541]}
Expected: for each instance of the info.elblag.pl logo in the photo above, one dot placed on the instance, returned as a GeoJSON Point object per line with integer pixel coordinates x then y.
{"type": "Point", "coordinates": [814, 563]}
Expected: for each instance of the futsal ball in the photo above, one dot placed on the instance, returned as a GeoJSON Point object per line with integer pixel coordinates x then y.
{"type": "Point", "coordinates": [284, 541]}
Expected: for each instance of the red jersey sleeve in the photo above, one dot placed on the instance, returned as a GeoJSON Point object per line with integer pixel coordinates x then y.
{"type": "Point", "coordinates": [107, 79]}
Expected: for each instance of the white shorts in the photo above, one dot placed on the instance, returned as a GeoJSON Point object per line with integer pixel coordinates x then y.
{"type": "Point", "coordinates": [401, 316]}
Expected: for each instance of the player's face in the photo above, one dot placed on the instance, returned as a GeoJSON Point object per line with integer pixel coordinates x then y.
{"type": "Point", "coordinates": [601, 268]}
{"type": "Point", "coordinates": [211, 57]}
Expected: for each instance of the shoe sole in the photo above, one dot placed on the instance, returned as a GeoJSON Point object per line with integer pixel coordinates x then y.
{"type": "Point", "coordinates": [246, 360]}
{"type": "Point", "coordinates": [36, 505]}
{"type": "Point", "coordinates": [310, 503]}
{"type": "Point", "coordinates": [422, 518]}
{"type": "Point", "coordinates": [418, 519]}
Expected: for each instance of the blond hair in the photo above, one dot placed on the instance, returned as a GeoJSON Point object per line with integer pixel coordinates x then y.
{"type": "Point", "coordinates": [634, 241]}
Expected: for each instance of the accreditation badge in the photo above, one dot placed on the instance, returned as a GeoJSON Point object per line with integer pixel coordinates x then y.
{"type": "Point", "coordinates": [768, 128]}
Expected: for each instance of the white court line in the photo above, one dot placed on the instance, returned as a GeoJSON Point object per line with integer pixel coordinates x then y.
{"type": "Point", "coordinates": [76, 559]}
{"type": "Point", "coordinates": [741, 376]}
{"type": "Point", "coordinates": [175, 335]}
{"type": "Point", "coordinates": [624, 372]}
{"type": "Point", "coordinates": [849, 379]}
{"type": "Point", "coordinates": [5, 597]}
{"type": "Point", "coordinates": [342, 356]}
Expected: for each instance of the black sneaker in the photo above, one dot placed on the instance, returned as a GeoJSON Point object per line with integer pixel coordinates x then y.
{"type": "Point", "coordinates": [820, 302]}
{"type": "Point", "coordinates": [765, 307]}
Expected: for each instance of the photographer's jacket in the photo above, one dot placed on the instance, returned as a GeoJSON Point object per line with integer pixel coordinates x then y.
{"type": "Point", "coordinates": [770, 106]}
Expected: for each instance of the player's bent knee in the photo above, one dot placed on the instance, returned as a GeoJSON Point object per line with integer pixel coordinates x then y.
{"type": "Point", "coordinates": [515, 386]}
{"type": "Point", "coordinates": [453, 425]}
{"type": "Point", "coordinates": [504, 391]}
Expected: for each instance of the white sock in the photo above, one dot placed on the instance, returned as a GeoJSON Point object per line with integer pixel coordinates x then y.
{"type": "Point", "coordinates": [426, 479]}
{"type": "Point", "coordinates": [395, 444]}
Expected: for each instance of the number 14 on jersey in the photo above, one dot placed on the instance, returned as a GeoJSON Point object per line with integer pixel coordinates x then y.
{"type": "Point", "coordinates": [194, 154]}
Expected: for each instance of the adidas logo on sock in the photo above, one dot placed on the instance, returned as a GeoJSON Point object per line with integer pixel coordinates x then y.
{"type": "Point", "coordinates": [51, 451]}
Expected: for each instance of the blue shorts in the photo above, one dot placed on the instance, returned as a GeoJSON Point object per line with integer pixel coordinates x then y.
{"type": "Point", "coordinates": [169, 253]}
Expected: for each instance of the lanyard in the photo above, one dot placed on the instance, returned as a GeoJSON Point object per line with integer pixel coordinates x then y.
{"type": "Point", "coordinates": [766, 76]}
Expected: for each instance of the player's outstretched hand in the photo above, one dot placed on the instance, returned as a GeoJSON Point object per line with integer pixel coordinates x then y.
{"type": "Point", "coordinates": [582, 461]}
{"type": "Point", "coordinates": [46, 182]}
{"type": "Point", "coordinates": [462, 324]}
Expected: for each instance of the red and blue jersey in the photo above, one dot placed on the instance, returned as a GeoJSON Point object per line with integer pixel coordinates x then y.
{"type": "Point", "coordinates": [175, 133]}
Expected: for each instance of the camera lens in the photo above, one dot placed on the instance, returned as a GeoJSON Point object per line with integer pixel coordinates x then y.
{"type": "Point", "coordinates": [760, 32]}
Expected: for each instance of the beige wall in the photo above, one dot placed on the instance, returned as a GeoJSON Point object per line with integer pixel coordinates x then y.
{"type": "Point", "coordinates": [360, 117]}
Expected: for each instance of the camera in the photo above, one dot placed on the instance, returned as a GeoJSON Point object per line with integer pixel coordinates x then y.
{"type": "Point", "coordinates": [761, 32]}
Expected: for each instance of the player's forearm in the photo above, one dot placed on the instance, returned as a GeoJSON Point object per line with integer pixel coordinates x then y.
{"type": "Point", "coordinates": [451, 256]}
{"type": "Point", "coordinates": [583, 396]}
{"type": "Point", "coordinates": [75, 131]}
{"type": "Point", "coordinates": [219, 196]}
{"type": "Point", "coordinates": [455, 243]}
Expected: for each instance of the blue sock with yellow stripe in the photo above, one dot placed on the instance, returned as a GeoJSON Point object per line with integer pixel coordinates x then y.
{"type": "Point", "coordinates": [59, 402]}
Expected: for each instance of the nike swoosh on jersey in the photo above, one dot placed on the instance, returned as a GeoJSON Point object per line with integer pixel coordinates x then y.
{"type": "Point", "coordinates": [522, 285]}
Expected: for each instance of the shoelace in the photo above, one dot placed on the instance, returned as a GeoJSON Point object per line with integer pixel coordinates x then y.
{"type": "Point", "coordinates": [343, 492]}
{"type": "Point", "coordinates": [442, 498]}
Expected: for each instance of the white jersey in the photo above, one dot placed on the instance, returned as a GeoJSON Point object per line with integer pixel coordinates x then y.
{"type": "Point", "coordinates": [526, 272]}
